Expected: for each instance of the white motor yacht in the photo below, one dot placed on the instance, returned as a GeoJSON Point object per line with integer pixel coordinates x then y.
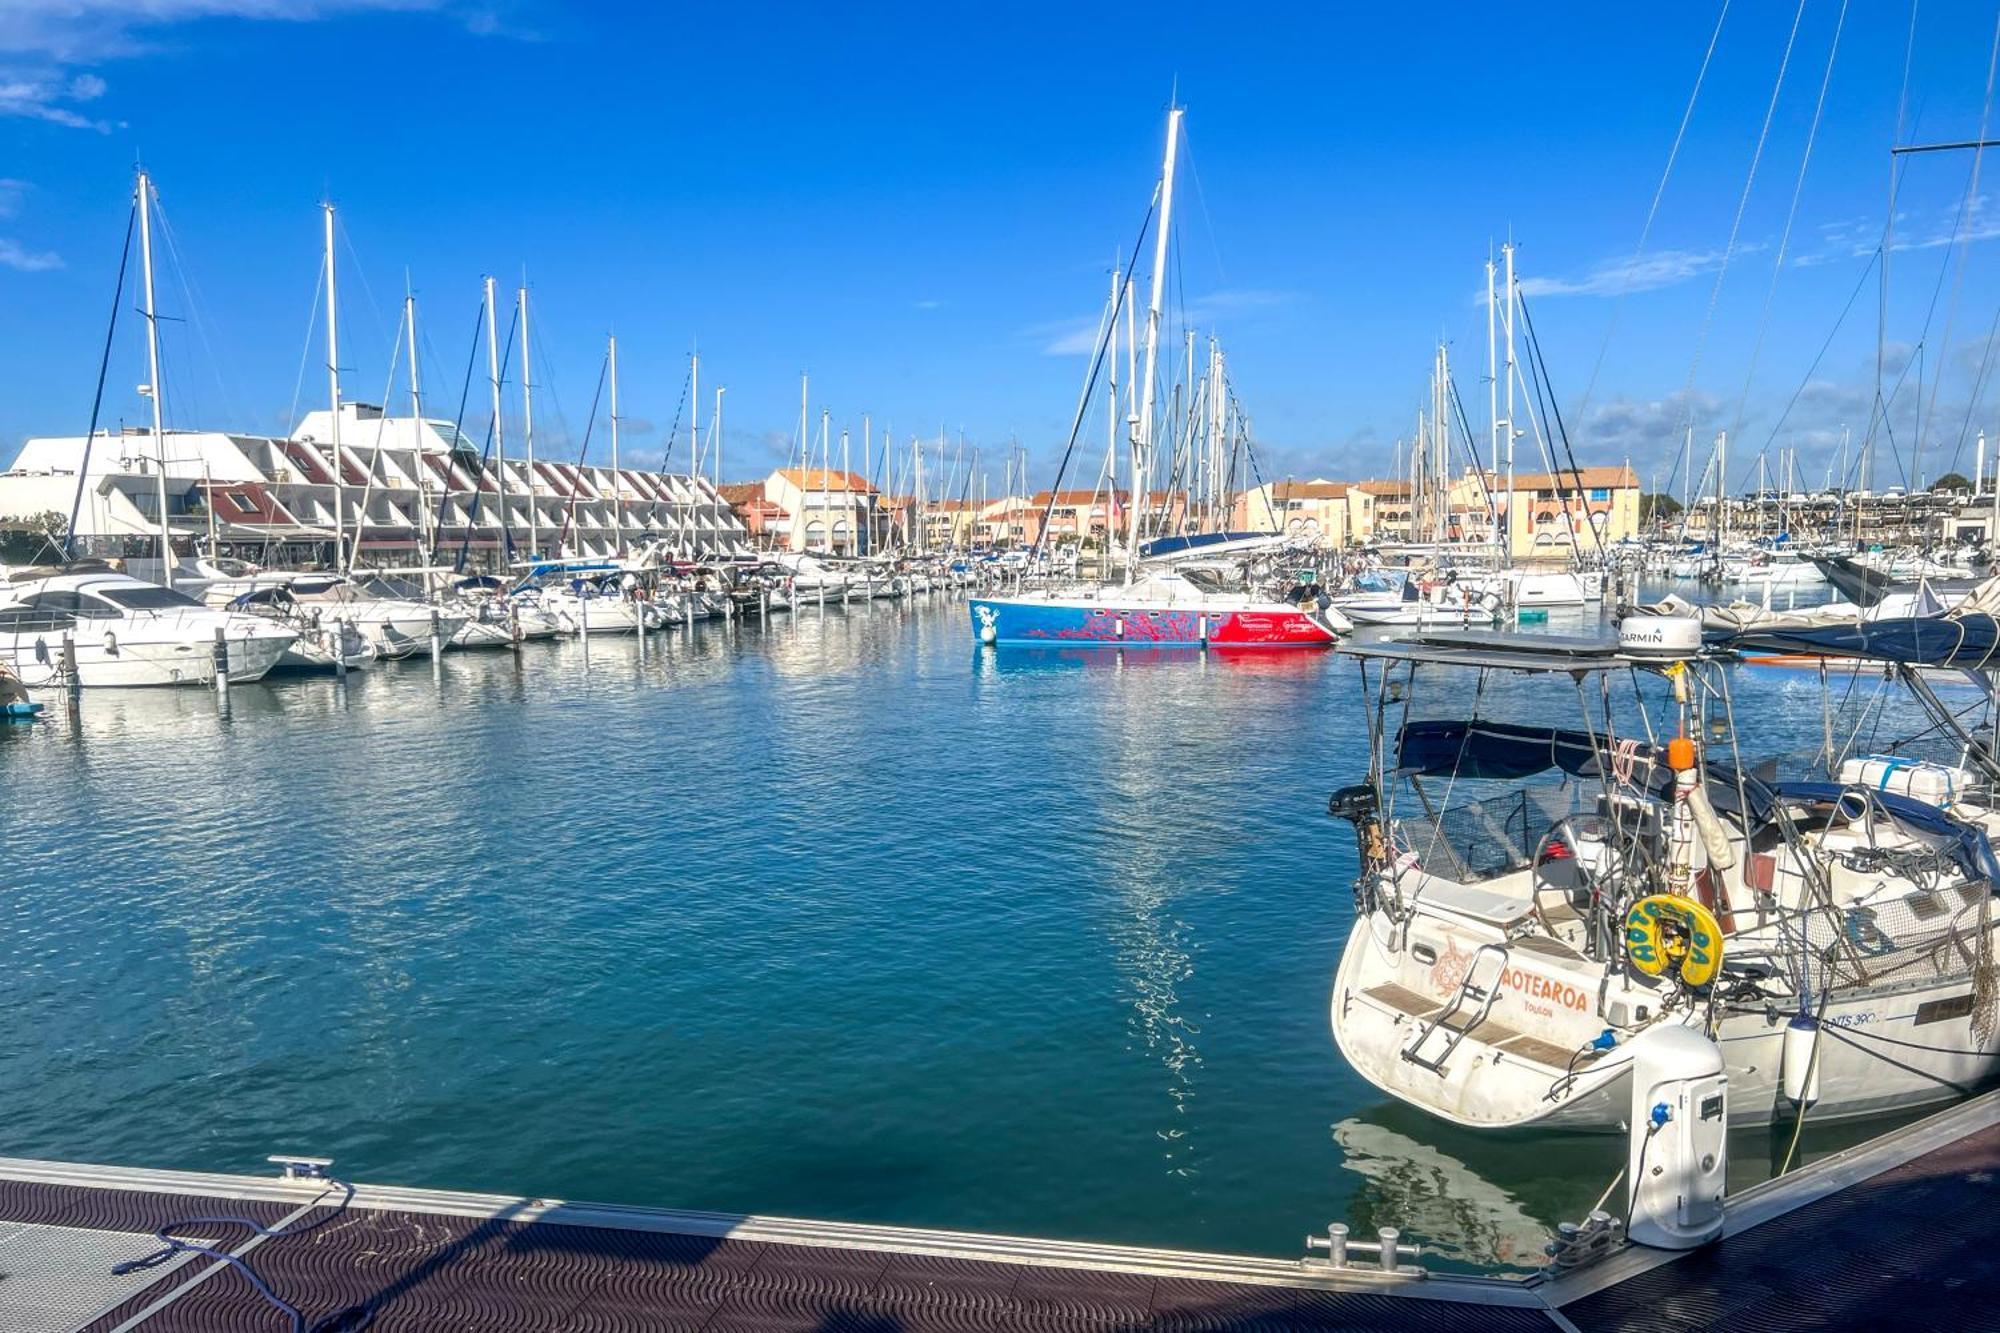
{"type": "Point", "coordinates": [126, 632]}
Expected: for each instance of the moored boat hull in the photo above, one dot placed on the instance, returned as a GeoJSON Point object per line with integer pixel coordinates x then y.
{"type": "Point", "coordinates": [1036, 621]}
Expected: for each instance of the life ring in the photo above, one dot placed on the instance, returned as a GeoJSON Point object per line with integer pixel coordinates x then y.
{"type": "Point", "coordinates": [1865, 935]}
{"type": "Point", "coordinates": [1668, 931]}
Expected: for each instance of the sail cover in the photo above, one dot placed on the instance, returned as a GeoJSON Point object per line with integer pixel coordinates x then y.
{"type": "Point", "coordinates": [1937, 641]}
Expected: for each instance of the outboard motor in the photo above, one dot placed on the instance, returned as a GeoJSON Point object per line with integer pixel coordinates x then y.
{"type": "Point", "coordinates": [1359, 806]}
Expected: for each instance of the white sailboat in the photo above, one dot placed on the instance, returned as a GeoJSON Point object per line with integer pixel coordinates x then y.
{"type": "Point", "coordinates": [1835, 938]}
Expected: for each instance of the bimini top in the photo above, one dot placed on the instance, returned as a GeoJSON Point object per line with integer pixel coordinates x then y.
{"type": "Point", "coordinates": [1507, 652]}
{"type": "Point", "coordinates": [1506, 751]}
{"type": "Point", "coordinates": [1935, 641]}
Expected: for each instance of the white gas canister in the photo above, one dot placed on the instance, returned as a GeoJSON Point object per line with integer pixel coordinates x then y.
{"type": "Point", "coordinates": [1678, 1156]}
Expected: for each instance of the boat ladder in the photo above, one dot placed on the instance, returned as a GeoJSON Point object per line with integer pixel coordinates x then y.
{"type": "Point", "coordinates": [1485, 997]}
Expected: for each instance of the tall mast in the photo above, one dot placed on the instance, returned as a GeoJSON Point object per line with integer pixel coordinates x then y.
{"type": "Point", "coordinates": [333, 401]}
{"type": "Point", "coordinates": [499, 444]}
{"type": "Point", "coordinates": [1492, 390]}
{"type": "Point", "coordinates": [1721, 490]}
{"type": "Point", "coordinates": [617, 482]}
{"type": "Point", "coordinates": [1111, 412]}
{"type": "Point", "coordinates": [805, 448]}
{"type": "Point", "coordinates": [528, 429]}
{"type": "Point", "coordinates": [417, 433]}
{"type": "Point", "coordinates": [1142, 443]}
{"type": "Point", "coordinates": [1513, 299]}
{"type": "Point", "coordinates": [846, 499]}
{"type": "Point", "coordinates": [825, 481]}
{"type": "Point", "coordinates": [694, 413]}
{"type": "Point", "coordinates": [153, 374]}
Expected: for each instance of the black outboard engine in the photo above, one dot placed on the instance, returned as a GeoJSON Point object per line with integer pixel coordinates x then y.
{"type": "Point", "coordinates": [1359, 806]}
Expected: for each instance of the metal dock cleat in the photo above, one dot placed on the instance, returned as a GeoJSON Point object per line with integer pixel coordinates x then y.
{"type": "Point", "coordinates": [1387, 1250]}
{"type": "Point", "coordinates": [298, 1167]}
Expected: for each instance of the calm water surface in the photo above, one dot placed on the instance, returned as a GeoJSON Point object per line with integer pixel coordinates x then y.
{"type": "Point", "coordinates": [843, 919]}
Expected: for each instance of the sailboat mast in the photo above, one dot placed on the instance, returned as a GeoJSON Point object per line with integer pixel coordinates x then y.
{"type": "Point", "coordinates": [153, 375]}
{"type": "Point", "coordinates": [1507, 255]}
{"type": "Point", "coordinates": [528, 430]}
{"type": "Point", "coordinates": [1142, 443]}
{"type": "Point", "coordinates": [417, 466]}
{"type": "Point", "coordinates": [826, 478]}
{"type": "Point", "coordinates": [499, 445]}
{"type": "Point", "coordinates": [1492, 368]}
{"type": "Point", "coordinates": [1111, 410]}
{"type": "Point", "coordinates": [715, 433]}
{"type": "Point", "coordinates": [333, 401]}
{"type": "Point", "coordinates": [617, 487]}
{"type": "Point", "coordinates": [694, 413]}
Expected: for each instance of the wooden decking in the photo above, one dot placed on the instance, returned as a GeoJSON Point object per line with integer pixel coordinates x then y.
{"type": "Point", "coordinates": [1495, 1034]}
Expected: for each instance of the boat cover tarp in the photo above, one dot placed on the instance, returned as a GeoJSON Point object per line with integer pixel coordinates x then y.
{"type": "Point", "coordinates": [1936, 641]}
{"type": "Point", "coordinates": [1508, 751]}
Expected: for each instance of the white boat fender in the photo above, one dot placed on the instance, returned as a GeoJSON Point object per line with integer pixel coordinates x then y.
{"type": "Point", "coordinates": [1714, 838]}
{"type": "Point", "coordinates": [1690, 789]}
{"type": "Point", "coordinates": [1798, 1061]}
{"type": "Point", "coordinates": [111, 643]}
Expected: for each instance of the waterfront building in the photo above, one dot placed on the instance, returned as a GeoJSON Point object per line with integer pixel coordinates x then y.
{"type": "Point", "coordinates": [401, 491]}
{"type": "Point", "coordinates": [814, 509]}
{"type": "Point", "coordinates": [1553, 515]}
{"type": "Point", "coordinates": [1333, 512]}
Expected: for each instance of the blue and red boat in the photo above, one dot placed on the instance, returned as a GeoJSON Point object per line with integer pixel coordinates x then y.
{"type": "Point", "coordinates": [1159, 611]}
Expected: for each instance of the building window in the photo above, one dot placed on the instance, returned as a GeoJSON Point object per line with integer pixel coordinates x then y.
{"type": "Point", "coordinates": [1600, 493]}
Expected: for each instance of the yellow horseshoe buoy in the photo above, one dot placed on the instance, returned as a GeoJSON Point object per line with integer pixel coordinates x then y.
{"type": "Point", "coordinates": [1667, 931]}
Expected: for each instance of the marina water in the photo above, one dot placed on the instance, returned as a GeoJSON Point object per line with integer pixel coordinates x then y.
{"type": "Point", "coordinates": [840, 918]}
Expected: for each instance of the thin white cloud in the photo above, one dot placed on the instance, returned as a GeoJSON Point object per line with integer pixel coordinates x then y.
{"type": "Point", "coordinates": [1079, 336]}
{"type": "Point", "coordinates": [1619, 277]}
{"type": "Point", "coordinates": [1066, 337]}
{"type": "Point", "coordinates": [16, 256]}
{"type": "Point", "coordinates": [1931, 229]}
{"type": "Point", "coordinates": [48, 47]}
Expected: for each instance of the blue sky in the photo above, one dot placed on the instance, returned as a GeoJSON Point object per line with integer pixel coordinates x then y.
{"type": "Point", "coordinates": [918, 205]}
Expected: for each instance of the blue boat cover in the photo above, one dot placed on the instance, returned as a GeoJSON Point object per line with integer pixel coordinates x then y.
{"type": "Point", "coordinates": [1937, 641]}
{"type": "Point", "coordinates": [1162, 546]}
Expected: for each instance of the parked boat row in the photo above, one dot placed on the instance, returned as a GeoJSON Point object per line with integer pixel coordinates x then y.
{"type": "Point", "coordinates": [99, 627]}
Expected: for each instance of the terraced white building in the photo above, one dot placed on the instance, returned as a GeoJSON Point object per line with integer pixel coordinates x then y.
{"type": "Point", "coordinates": [408, 490]}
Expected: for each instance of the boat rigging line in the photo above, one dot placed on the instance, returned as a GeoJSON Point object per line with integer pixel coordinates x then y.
{"type": "Point", "coordinates": [103, 368]}
{"type": "Point", "coordinates": [1090, 386]}
{"type": "Point", "coordinates": [1538, 367]}
{"type": "Point", "coordinates": [1652, 212]}
{"type": "Point", "coordinates": [457, 433]}
{"type": "Point", "coordinates": [583, 451]}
